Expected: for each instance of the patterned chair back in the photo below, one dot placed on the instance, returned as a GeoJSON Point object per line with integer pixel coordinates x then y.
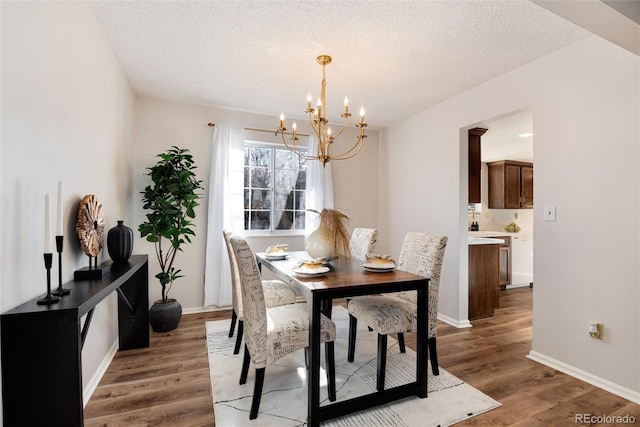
{"type": "Point", "coordinates": [255, 308]}
{"type": "Point", "coordinates": [422, 254]}
{"type": "Point", "coordinates": [236, 292]}
{"type": "Point", "coordinates": [363, 242]}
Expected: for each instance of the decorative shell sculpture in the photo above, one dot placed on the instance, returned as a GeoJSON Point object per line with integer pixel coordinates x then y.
{"type": "Point", "coordinates": [90, 225]}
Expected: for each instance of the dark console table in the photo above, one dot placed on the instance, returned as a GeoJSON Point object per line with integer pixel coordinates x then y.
{"type": "Point", "coordinates": [42, 344]}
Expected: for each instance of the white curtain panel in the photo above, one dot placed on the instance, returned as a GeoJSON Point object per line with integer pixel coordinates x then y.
{"type": "Point", "coordinates": [226, 207]}
{"type": "Point", "coordinates": [319, 193]}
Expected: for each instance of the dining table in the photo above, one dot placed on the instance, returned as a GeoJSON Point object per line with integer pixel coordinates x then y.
{"type": "Point", "coordinates": [347, 278]}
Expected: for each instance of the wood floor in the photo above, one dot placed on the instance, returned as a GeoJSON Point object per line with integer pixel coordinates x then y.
{"type": "Point", "coordinates": [168, 383]}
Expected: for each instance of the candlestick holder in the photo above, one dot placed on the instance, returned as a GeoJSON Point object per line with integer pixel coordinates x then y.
{"type": "Point", "coordinates": [49, 298]}
{"type": "Point", "coordinates": [60, 291]}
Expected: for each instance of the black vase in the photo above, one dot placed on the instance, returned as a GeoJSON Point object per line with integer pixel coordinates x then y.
{"type": "Point", "coordinates": [120, 242]}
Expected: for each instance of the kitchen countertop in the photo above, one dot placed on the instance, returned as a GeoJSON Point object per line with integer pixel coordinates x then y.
{"type": "Point", "coordinates": [498, 234]}
{"type": "Point", "coordinates": [476, 240]}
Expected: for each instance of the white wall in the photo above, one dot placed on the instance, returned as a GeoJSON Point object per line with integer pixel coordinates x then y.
{"type": "Point", "coordinates": [67, 114]}
{"type": "Point", "coordinates": [161, 124]}
{"type": "Point", "coordinates": [585, 104]}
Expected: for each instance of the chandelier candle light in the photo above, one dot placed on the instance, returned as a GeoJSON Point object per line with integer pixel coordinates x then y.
{"type": "Point", "coordinates": [320, 125]}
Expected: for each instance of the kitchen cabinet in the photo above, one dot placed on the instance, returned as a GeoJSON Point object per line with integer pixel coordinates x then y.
{"type": "Point", "coordinates": [475, 164]}
{"type": "Point", "coordinates": [484, 278]}
{"type": "Point", "coordinates": [510, 185]}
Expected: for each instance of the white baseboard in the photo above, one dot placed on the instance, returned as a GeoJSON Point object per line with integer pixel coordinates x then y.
{"type": "Point", "coordinates": [587, 377]}
{"type": "Point", "coordinates": [520, 277]}
{"type": "Point", "coordinates": [212, 308]}
{"type": "Point", "coordinates": [520, 285]}
{"type": "Point", "coordinates": [454, 322]}
{"type": "Point", "coordinates": [97, 376]}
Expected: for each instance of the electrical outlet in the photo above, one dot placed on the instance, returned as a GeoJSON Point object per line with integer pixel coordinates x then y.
{"type": "Point", "coordinates": [595, 330]}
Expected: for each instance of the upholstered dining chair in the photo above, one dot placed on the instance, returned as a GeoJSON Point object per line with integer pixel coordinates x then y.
{"type": "Point", "coordinates": [363, 242]}
{"type": "Point", "coordinates": [397, 312]}
{"type": "Point", "coordinates": [274, 332]}
{"type": "Point", "coordinates": [276, 293]}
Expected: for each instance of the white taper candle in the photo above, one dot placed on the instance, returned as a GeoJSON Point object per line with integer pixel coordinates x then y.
{"type": "Point", "coordinates": [47, 226]}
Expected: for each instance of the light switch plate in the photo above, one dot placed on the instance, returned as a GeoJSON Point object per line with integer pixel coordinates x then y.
{"type": "Point", "coordinates": [549, 212]}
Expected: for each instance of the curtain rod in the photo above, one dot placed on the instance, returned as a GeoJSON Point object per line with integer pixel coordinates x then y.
{"type": "Point", "coordinates": [262, 130]}
{"type": "Point", "coordinates": [273, 131]}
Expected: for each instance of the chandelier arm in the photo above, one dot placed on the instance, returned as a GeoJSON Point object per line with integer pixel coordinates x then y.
{"type": "Point", "coordinates": [284, 141]}
{"type": "Point", "coordinates": [344, 126]}
{"type": "Point", "coordinates": [315, 132]}
{"type": "Point", "coordinates": [316, 127]}
{"type": "Point", "coordinates": [293, 148]}
{"type": "Point", "coordinates": [357, 145]}
{"type": "Point", "coordinates": [344, 156]}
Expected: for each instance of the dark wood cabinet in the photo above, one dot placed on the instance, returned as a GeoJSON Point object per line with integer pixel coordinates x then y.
{"type": "Point", "coordinates": [475, 164]}
{"type": "Point", "coordinates": [484, 280]}
{"type": "Point", "coordinates": [510, 185]}
{"type": "Point", "coordinates": [526, 180]}
{"type": "Point", "coordinates": [42, 345]}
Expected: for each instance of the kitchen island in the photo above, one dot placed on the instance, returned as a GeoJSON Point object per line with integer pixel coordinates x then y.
{"type": "Point", "coordinates": [484, 276]}
{"type": "Point", "coordinates": [516, 257]}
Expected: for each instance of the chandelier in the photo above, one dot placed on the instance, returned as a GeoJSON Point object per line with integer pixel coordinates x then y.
{"type": "Point", "coordinates": [320, 125]}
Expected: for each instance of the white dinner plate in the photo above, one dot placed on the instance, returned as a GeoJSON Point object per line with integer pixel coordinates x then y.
{"type": "Point", "coordinates": [378, 267]}
{"type": "Point", "coordinates": [277, 256]}
{"type": "Point", "coordinates": [303, 271]}
{"type": "Point", "coordinates": [310, 261]}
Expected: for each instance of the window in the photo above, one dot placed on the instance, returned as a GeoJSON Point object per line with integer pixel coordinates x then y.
{"type": "Point", "coordinates": [274, 188]}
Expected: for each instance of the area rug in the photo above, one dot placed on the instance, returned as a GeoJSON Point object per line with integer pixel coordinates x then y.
{"type": "Point", "coordinates": [284, 399]}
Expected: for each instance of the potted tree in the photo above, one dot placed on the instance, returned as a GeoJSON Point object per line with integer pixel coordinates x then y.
{"type": "Point", "coordinates": [171, 200]}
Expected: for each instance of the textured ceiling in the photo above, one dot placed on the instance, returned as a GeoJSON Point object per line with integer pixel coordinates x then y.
{"type": "Point", "coordinates": [394, 57]}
